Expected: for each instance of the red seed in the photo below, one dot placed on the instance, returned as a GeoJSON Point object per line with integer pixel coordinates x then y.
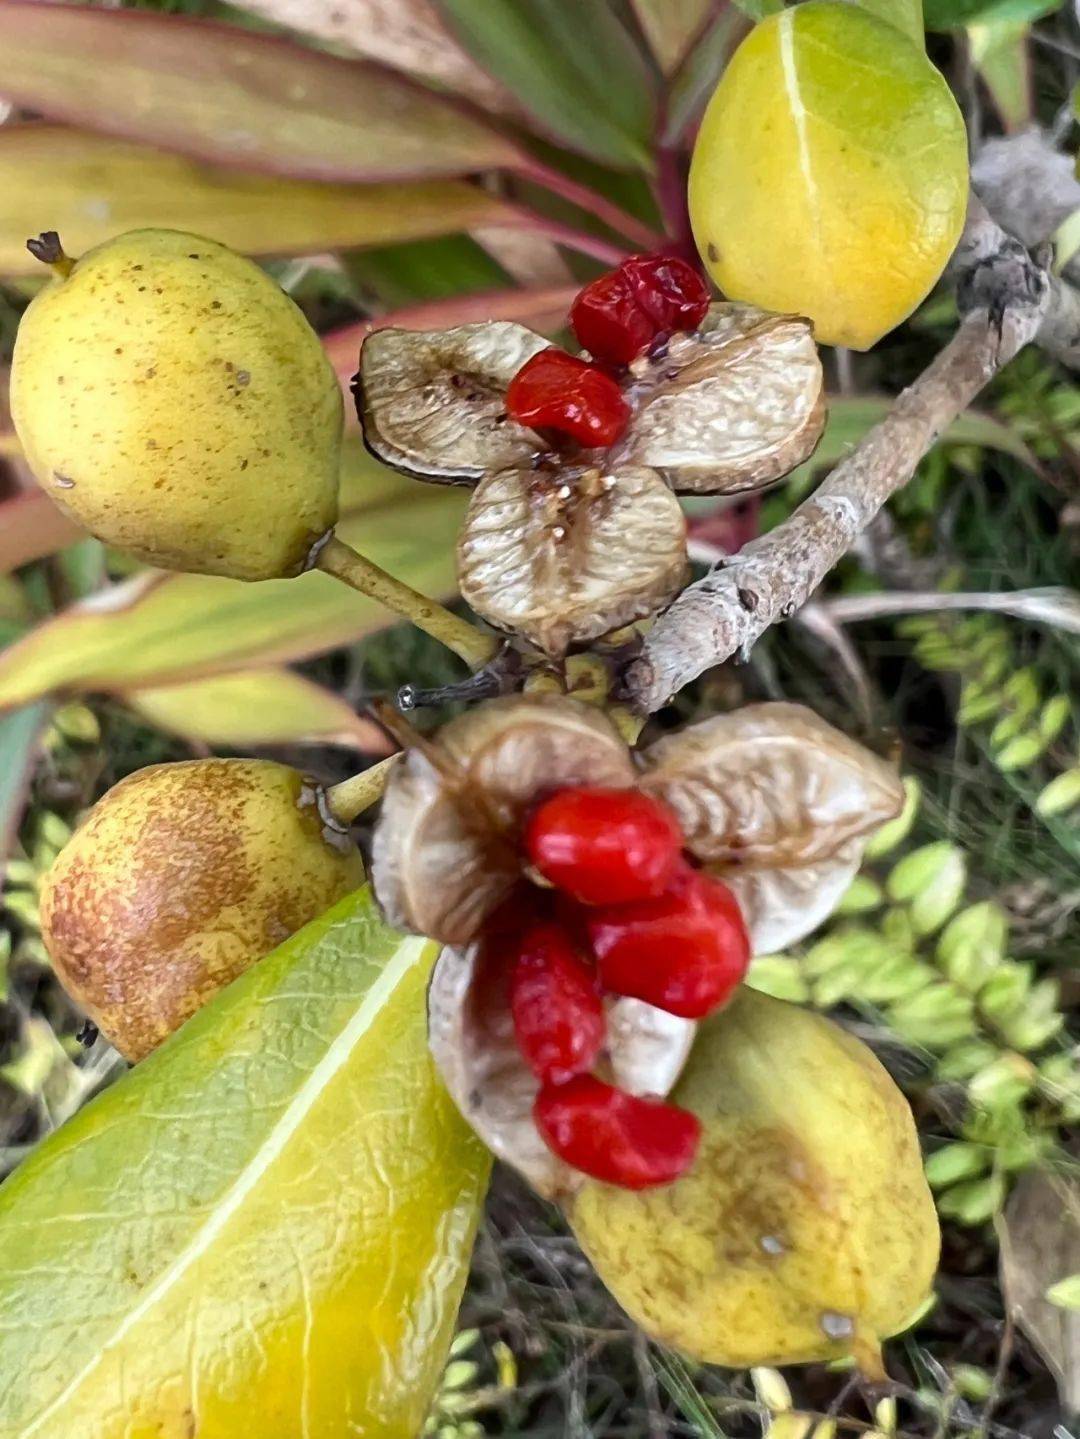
{"type": "Point", "coordinates": [616, 1137]}
{"type": "Point", "coordinates": [685, 952]}
{"type": "Point", "coordinates": [555, 1003]}
{"type": "Point", "coordinates": [557, 391]}
{"type": "Point", "coordinates": [609, 322]}
{"type": "Point", "coordinates": [617, 317]}
{"type": "Point", "coordinates": [669, 291]}
{"type": "Point", "coordinates": [604, 846]}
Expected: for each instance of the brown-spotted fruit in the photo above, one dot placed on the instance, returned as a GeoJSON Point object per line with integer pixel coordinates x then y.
{"type": "Point", "coordinates": [181, 877]}
{"type": "Point", "coordinates": [804, 1230]}
{"type": "Point", "coordinates": [175, 402]}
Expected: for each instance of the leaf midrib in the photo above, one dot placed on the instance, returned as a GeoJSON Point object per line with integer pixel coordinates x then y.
{"type": "Point", "coordinates": [269, 1151]}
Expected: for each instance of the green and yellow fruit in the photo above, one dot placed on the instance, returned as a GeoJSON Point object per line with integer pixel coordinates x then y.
{"type": "Point", "coordinates": [175, 402]}
{"type": "Point", "coordinates": [805, 1230]}
{"type": "Point", "coordinates": [830, 174]}
{"type": "Point", "coordinates": [178, 880]}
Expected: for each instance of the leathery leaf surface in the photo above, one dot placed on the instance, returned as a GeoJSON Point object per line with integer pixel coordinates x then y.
{"type": "Point", "coordinates": [263, 1229]}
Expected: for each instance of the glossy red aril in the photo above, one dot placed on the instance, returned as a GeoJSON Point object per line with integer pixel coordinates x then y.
{"type": "Point", "coordinates": [608, 321]}
{"type": "Point", "coordinates": [557, 391]}
{"type": "Point", "coordinates": [604, 846]}
{"type": "Point", "coordinates": [617, 317]}
{"type": "Point", "coordinates": [684, 952]}
{"type": "Point", "coordinates": [668, 290]}
{"type": "Point", "coordinates": [555, 1004]}
{"type": "Point", "coordinates": [616, 1137]}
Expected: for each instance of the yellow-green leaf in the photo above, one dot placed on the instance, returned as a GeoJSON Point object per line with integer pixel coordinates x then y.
{"type": "Point", "coordinates": [98, 187]}
{"type": "Point", "coordinates": [236, 97]}
{"type": "Point", "coordinates": [263, 1229]}
{"type": "Point", "coordinates": [1061, 794]}
{"type": "Point", "coordinates": [257, 707]}
{"type": "Point", "coordinates": [157, 629]}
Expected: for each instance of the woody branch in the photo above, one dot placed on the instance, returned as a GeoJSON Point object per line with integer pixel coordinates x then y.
{"type": "Point", "coordinates": [1007, 299]}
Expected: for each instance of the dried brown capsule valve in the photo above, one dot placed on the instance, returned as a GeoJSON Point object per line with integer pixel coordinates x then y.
{"type": "Point", "coordinates": [771, 798]}
{"type": "Point", "coordinates": [561, 545]}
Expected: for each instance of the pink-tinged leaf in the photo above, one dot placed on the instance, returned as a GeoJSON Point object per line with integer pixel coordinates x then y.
{"type": "Point", "coordinates": [542, 310]}
{"type": "Point", "coordinates": [31, 526]}
{"type": "Point", "coordinates": [235, 97]}
{"type": "Point", "coordinates": [159, 629]}
{"type": "Point", "coordinates": [99, 187]}
{"type": "Point", "coordinates": [672, 26]}
{"type": "Point", "coordinates": [252, 708]}
{"type": "Point", "coordinates": [407, 34]}
{"type": "Point", "coordinates": [532, 260]}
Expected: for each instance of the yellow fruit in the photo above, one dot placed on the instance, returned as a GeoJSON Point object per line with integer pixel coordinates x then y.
{"type": "Point", "coordinates": [830, 174]}
{"type": "Point", "coordinates": [178, 880]}
{"type": "Point", "coordinates": [175, 402]}
{"type": "Point", "coordinates": [805, 1229]}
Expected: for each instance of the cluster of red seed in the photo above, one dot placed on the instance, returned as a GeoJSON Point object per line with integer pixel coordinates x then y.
{"type": "Point", "coordinates": [627, 915]}
{"type": "Point", "coordinates": [616, 318]}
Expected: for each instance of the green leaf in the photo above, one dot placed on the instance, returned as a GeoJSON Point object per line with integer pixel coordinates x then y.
{"type": "Point", "coordinates": [1060, 795]}
{"type": "Point", "coordinates": [935, 1017]}
{"type": "Point", "coordinates": [572, 65]}
{"type": "Point", "coordinates": [159, 629]}
{"type": "Point", "coordinates": [861, 896]}
{"type": "Point", "coordinates": [257, 707]}
{"type": "Point", "coordinates": [237, 97]}
{"type": "Point", "coordinates": [1065, 1293]}
{"type": "Point", "coordinates": [952, 14]}
{"type": "Point", "coordinates": [999, 52]}
{"type": "Point", "coordinates": [954, 1162]}
{"type": "Point", "coordinates": [1020, 752]}
{"type": "Point", "coordinates": [264, 1229]}
{"type": "Point", "coordinates": [779, 975]}
{"type": "Point", "coordinates": [759, 9]}
{"type": "Point", "coordinates": [972, 945]}
{"type": "Point", "coordinates": [973, 1202]}
{"type": "Point", "coordinates": [850, 417]}
{"type": "Point", "coordinates": [895, 831]}
{"type": "Point", "coordinates": [99, 187]}
{"type": "Point", "coordinates": [19, 732]}
{"type": "Point", "coordinates": [931, 880]}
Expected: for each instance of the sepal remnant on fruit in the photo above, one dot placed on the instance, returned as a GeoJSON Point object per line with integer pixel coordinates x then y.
{"type": "Point", "coordinates": [771, 800]}
{"type": "Point", "coordinates": [564, 542]}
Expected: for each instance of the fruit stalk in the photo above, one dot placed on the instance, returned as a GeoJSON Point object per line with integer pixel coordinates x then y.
{"type": "Point", "coordinates": [349, 799]}
{"type": "Point", "coordinates": [344, 563]}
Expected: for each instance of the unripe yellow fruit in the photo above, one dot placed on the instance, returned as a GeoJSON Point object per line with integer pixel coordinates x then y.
{"type": "Point", "coordinates": [175, 402]}
{"type": "Point", "coordinates": [180, 878]}
{"type": "Point", "coordinates": [830, 174]}
{"type": "Point", "coordinates": [805, 1229]}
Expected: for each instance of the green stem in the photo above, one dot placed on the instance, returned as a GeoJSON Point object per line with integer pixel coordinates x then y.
{"type": "Point", "coordinates": [353, 796]}
{"type": "Point", "coordinates": [342, 561]}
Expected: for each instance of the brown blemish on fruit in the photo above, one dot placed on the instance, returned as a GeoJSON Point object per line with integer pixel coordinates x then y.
{"type": "Point", "coordinates": [712, 252]}
{"type": "Point", "coordinates": [176, 883]}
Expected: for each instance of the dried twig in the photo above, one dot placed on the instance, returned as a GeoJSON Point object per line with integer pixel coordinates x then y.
{"type": "Point", "coordinates": [1053, 606]}
{"type": "Point", "coordinates": [1007, 300]}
